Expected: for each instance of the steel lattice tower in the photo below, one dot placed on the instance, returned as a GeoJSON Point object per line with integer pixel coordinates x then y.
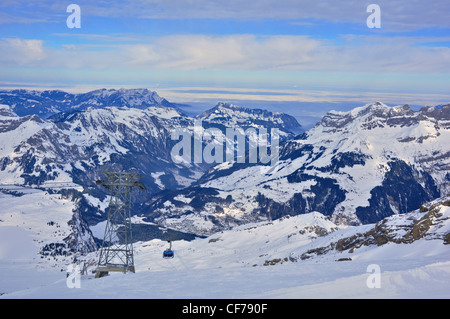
{"type": "Point", "coordinates": [116, 253]}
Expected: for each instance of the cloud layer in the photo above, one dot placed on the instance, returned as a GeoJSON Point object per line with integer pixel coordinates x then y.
{"type": "Point", "coordinates": [239, 52]}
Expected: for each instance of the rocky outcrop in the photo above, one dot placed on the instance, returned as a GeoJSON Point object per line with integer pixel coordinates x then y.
{"type": "Point", "coordinates": [430, 222]}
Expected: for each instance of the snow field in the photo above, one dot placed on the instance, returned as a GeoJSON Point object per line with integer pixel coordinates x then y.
{"type": "Point", "coordinates": [226, 265]}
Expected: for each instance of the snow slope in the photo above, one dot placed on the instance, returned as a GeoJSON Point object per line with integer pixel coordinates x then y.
{"type": "Point", "coordinates": [30, 224]}
{"type": "Point", "coordinates": [311, 280]}
{"type": "Point", "coordinates": [260, 260]}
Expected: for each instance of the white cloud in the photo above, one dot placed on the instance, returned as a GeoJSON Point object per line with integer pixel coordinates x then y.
{"type": "Point", "coordinates": [22, 52]}
{"type": "Point", "coordinates": [364, 54]}
{"type": "Point", "coordinates": [197, 94]}
{"type": "Point", "coordinates": [246, 52]}
{"type": "Point", "coordinates": [289, 53]}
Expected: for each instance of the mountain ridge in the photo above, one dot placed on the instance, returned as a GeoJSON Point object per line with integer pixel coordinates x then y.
{"type": "Point", "coordinates": [74, 146]}
{"type": "Point", "coordinates": [49, 102]}
{"type": "Point", "coordinates": [358, 167]}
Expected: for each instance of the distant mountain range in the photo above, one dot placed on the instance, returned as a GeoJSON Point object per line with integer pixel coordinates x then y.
{"type": "Point", "coordinates": [53, 138]}
{"type": "Point", "coordinates": [368, 186]}
{"type": "Point", "coordinates": [48, 103]}
{"type": "Point", "coordinates": [355, 167]}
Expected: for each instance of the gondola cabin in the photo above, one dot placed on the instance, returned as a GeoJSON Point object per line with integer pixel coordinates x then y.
{"type": "Point", "coordinates": [168, 253]}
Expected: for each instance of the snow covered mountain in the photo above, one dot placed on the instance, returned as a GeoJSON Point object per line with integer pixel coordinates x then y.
{"type": "Point", "coordinates": [357, 167]}
{"type": "Point", "coordinates": [361, 187]}
{"type": "Point", "coordinates": [47, 103]}
{"type": "Point", "coordinates": [36, 151]}
{"type": "Point", "coordinates": [229, 115]}
{"type": "Point", "coordinates": [72, 148]}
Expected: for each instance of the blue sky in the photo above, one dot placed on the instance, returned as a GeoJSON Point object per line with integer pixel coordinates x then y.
{"type": "Point", "coordinates": [291, 51]}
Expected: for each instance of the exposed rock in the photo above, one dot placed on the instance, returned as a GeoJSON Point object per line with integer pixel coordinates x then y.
{"type": "Point", "coordinates": [430, 222]}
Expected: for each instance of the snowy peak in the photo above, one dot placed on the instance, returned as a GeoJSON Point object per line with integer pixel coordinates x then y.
{"type": "Point", "coordinates": [138, 98]}
{"type": "Point", "coordinates": [76, 146]}
{"type": "Point", "coordinates": [233, 115]}
{"type": "Point", "coordinates": [440, 114]}
{"type": "Point", "coordinates": [50, 102]}
{"type": "Point", "coordinates": [383, 132]}
{"type": "Point", "coordinates": [226, 109]}
{"type": "Point", "coordinates": [379, 114]}
{"type": "Point", "coordinates": [6, 111]}
{"type": "Point", "coordinates": [42, 103]}
{"type": "Point", "coordinates": [378, 110]}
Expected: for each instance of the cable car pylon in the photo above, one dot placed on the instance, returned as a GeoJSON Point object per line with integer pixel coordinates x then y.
{"type": "Point", "coordinates": [116, 253]}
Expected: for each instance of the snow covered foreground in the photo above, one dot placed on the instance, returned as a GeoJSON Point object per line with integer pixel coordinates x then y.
{"type": "Point", "coordinates": [253, 261]}
{"type": "Point", "coordinates": [307, 280]}
{"type": "Point", "coordinates": [294, 280]}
